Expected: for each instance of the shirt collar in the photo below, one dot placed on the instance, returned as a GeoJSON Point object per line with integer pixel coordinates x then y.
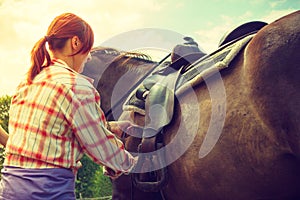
{"type": "Point", "coordinates": [63, 64]}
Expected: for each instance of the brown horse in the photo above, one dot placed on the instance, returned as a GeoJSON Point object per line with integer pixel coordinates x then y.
{"type": "Point", "coordinates": [254, 104]}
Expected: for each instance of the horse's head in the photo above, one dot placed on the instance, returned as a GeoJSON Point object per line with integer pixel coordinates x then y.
{"type": "Point", "coordinates": [114, 73]}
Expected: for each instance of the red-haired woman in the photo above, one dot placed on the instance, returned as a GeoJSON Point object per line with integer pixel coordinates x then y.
{"type": "Point", "coordinates": [55, 118]}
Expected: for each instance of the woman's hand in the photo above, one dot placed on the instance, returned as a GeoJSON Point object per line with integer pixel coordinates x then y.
{"type": "Point", "coordinates": [111, 173]}
{"type": "Point", "coordinates": [119, 127]}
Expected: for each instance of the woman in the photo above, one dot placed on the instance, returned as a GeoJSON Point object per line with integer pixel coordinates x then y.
{"type": "Point", "coordinates": [55, 118]}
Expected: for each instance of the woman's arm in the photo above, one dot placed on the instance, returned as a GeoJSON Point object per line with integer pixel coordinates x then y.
{"type": "Point", "coordinates": [3, 136]}
{"type": "Point", "coordinates": [91, 130]}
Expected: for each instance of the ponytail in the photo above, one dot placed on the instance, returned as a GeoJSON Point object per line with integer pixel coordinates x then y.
{"type": "Point", "coordinates": [38, 55]}
{"type": "Point", "coordinates": [62, 28]}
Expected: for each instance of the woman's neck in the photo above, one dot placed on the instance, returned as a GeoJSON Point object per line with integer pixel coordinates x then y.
{"type": "Point", "coordinates": [65, 54]}
{"type": "Point", "coordinates": [64, 57]}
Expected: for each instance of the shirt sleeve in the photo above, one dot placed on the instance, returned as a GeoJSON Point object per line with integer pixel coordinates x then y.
{"type": "Point", "coordinates": [89, 127]}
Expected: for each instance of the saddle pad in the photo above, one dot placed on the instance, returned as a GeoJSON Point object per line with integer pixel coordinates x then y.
{"type": "Point", "coordinates": [204, 67]}
{"type": "Point", "coordinates": [211, 65]}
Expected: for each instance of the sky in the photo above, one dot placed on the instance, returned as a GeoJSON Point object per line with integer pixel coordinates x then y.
{"type": "Point", "coordinates": [126, 25]}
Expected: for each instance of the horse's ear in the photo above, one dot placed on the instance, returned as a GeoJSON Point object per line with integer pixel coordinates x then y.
{"type": "Point", "coordinates": [241, 30]}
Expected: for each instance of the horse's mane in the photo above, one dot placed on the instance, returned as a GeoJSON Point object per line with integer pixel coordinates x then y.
{"type": "Point", "coordinates": [127, 55]}
{"type": "Point", "coordinates": [130, 61]}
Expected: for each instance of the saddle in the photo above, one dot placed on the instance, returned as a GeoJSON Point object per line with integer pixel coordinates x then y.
{"type": "Point", "coordinates": [155, 97]}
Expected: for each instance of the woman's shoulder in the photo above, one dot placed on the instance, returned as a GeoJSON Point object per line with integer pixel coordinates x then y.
{"type": "Point", "coordinates": [67, 81]}
{"type": "Point", "coordinates": [67, 77]}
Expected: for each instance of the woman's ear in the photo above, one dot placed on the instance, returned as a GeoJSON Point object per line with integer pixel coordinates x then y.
{"type": "Point", "coordinates": [75, 42]}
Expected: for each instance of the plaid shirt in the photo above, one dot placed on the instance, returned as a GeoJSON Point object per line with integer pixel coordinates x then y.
{"type": "Point", "coordinates": [56, 119]}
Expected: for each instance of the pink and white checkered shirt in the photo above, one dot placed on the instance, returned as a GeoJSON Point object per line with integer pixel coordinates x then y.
{"type": "Point", "coordinates": [56, 119]}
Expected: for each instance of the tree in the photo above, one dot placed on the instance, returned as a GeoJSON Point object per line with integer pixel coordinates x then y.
{"type": "Point", "coordinates": [4, 117]}
{"type": "Point", "coordinates": [90, 180]}
{"type": "Point", "coordinates": [4, 111]}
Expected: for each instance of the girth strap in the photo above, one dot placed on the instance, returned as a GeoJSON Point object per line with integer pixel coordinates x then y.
{"type": "Point", "coordinates": [159, 106]}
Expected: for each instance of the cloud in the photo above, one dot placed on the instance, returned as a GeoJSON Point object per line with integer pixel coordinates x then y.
{"type": "Point", "coordinates": [29, 19]}
{"type": "Point", "coordinates": [209, 38]}
{"type": "Point", "coordinates": [276, 14]}
{"type": "Point", "coordinates": [14, 65]}
{"type": "Point", "coordinates": [276, 3]}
